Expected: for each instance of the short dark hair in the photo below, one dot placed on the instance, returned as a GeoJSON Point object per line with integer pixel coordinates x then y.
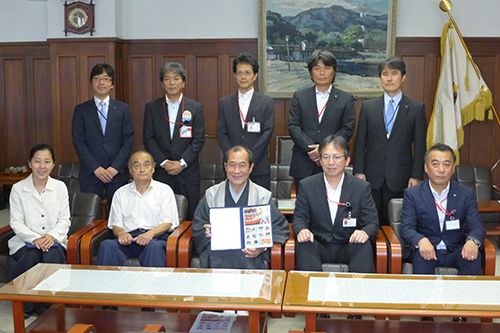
{"type": "Point", "coordinates": [392, 63]}
{"type": "Point", "coordinates": [103, 68]}
{"type": "Point", "coordinates": [246, 58]}
{"type": "Point", "coordinates": [40, 147]}
{"type": "Point", "coordinates": [440, 147]}
{"type": "Point", "coordinates": [326, 56]}
{"type": "Point", "coordinates": [175, 67]}
{"type": "Point", "coordinates": [238, 148]}
{"type": "Point", "coordinates": [338, 142]}
{"type": "Point", "coordinates": [137, 152]}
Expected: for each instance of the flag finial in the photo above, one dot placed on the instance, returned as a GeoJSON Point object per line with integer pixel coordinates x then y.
{"type": "Point", "coordinates": [445, 5]}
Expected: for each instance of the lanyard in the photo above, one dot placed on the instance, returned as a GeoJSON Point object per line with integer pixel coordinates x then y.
{"type": "Point", "coordinates": [347, 204]}
{"type": "Point", "coordinates": [241, 112]}
{"type": "Point", "coordinates": [322, 110]}
{"type": "Point", "coordinates": [441, 208]}
{"type": "Point", "coordinates": [393, 116]}
{"type": "Point", "coordinates": [165, 112]}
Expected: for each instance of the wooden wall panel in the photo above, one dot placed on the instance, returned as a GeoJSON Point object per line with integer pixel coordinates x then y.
{"type": "Point", "coordinates": [207, 90]}
{"type": "Point", "coordinates": [42, 105]}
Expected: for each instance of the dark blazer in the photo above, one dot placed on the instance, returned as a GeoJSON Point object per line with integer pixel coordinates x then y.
{"type": "Point", "coordinates": [230, 133]}
{"type": "Point", "coordinates": [398, 158]}
{"type": "Point", "coordinates": [157, 140]}
{"type": "Point", "coordinates": [95, 149]}
{"type": "Point", "coordinates": [419, 216]}
{"type": "Point", "coordinates": [305, 129]}
{"type": "Point", "coordinates": [312, 211]}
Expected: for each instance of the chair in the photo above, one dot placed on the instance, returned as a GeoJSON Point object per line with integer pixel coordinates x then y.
{"type": "Point", "coordinates": [210, 174]}
{"type": "Point", "coordinates": [211, 152]}
{"type": "Point", "coordinates": [85, 209]}
{"type": "Point", "coordinates": [284, 145]}
{"type": "Point", "coordinates": [282, 185]}
{"type": "Point", "coordinates": [93, 238]}
{"type": "Point", "coordinates": [83, 328]}
{"type": "Point", "coordinates": [400, 251]}
{"type": "Point", "coordinates": [69, 172]}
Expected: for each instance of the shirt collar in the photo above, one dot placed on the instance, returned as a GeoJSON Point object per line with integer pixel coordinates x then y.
{"type": "Point", "coordinates": [329, 187]}
{"type": "Point", "coordinates": [30, 187]}
{"type": "Point", "coordinates": [246, 95]}
{"type": "Point", "coordinates": [443, 194]}
{"type": "Point", "coordinates": [325, 94]}
{"type": "Point", "coordinates": [133, 187]}
{"type": "Point", "coordinates": [98, 101]}
{"type": "Point", "coordinates": [397, 98]}
{"type": "Point", "coordinates": [177, 102]}
{"type": "Point", "coordinates": [235, 196]}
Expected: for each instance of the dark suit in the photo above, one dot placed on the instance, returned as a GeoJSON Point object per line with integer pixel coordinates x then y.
{"type": "Point", "coordinates": [389, 163]}
{"type": "Point", "coordinates": [158, 142]}
{"type": "Point", "coordinates": [230, 133]}
{"type": "Point", "coordinates": [312, 212]}
{"type": "Point", "coordinates": [305, 129]}
{"type": "Point", "coordinates": [419, 219]}
{"type": "Point", "coordinates": [96, 149]}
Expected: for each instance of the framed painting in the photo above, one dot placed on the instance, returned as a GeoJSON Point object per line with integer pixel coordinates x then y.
{"type": "Point", "coordinates": [360, 33]}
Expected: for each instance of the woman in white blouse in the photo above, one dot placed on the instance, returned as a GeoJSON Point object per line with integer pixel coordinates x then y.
{"type": "Point", "coordinates": [39, 216]}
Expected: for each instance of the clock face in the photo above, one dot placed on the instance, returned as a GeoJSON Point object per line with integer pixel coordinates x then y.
{"type": "Point", "coordinates": [78, 17]}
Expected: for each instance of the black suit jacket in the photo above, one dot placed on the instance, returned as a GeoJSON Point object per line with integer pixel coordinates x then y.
{"type": "Point", "coordinates": [398, 158]}
{"type": "Point", "coordinates": [230, 133]}
{"type": "Point", "coordinates": [312, 211]}
{"type": "Point", "coordinates": [419, 217]}
{"type": "Point", "coordinates": [305, 129]}
{"type": "Point", "coordinates": [95, 149]}
{"type": "Point", "coordinates": [157, 139]}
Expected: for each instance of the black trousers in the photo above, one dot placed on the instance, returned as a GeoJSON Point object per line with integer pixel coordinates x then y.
{"type": "Point", "coordinates": [382, 196]}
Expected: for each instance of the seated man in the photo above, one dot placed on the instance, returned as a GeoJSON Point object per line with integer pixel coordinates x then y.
{"type": "Point", "coordinates": [440, 219]}
{"type": "Point", "coordinates": [143, 214]}
{"type": "Point", "coordinates": [335, 215]}
{"type": "Point", "coordinates": [236, 191]}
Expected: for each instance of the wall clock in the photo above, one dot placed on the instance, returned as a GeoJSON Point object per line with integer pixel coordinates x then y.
{"type": "Point", "coordinates": [78, 17]}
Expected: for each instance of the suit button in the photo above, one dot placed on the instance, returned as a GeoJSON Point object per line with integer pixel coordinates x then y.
{"type": "Point", "coordinates": [43, 215]}
{"type": "Point", "coordinates": [43, 228]}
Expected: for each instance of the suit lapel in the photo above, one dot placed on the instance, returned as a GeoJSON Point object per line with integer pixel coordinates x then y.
{"type": "Point", "coordinates": [451, 203]}
{"type": "Point", "coordinates": [252, 108]}
{"type": "Point", "coordinates": [94, 115]}
{"type": "Point", "coordinates": [323, 198]}
{"type": "Point", "coordinates": [345, 196]}
{"type": "Point", "coordinates": [178, 120]}
{"type": "Point", "coordinates": [402, 112]}
{"type": "Point", "coordinates": [311, 100]}
{"type": "Point", "coordinates": [332, 100]}
{"type": "Point", "coordinates": [428, 199]}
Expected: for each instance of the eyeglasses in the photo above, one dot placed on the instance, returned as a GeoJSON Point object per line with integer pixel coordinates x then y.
{"type": "Point", "coordinates": [241, 73]}
{"type": "Point", "coordinates": [105, 79]}
{"type": "Point", "coordinates": [336, 157]}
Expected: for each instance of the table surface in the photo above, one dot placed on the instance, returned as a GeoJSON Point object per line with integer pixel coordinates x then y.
{"type": "Point", "coordinates": [489, 206]}
{"type": "Point", "coordinates": [390, 294]}
{"type": "Point", "coordinates": [286, 206]}
{"type": "Point", "coordinates": [226, 285]}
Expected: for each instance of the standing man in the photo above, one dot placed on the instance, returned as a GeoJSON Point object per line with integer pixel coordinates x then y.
{"type": "Point", "coordinates": [335, 218]}
{"type": "Point", "coordinates": [317, 112]}
{"type": "Point", "coordinates": [390, 142]}
{"type": "Point", "coordinates": [247, 118]}
{"type": "Point", "coordinates": [174, 133]}
{"type": "Point", "coordinates": [103, 135]}
{"type": "Point", "coordinates": [440, 219]}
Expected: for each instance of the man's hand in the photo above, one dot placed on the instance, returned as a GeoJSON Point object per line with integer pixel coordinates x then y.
{"type": "Point", "coordinates": [305, 235]}
{"type": "Point", "coordinates": [173, 167]}
{"type": "Point", "coordinates": [103, 174]}
{"type": "Point", "coordinates": [469, 251]}
{"type": "Point", "coordinates": [313, 154]}
{"type": "Point", "coordinates": [112, 172]}
{"type": "Point", "coordinates": [358, 236]}
{"type": "Point", "coordinates": [125, 238]}
{"type": "Point", "coordinates": [413, 181]}
{"type": "Point", "coordinates": [426, 249]}
{"type": "Point", "coordinates": [145, 238]}
{"type": "Point", "coordinates": [252, 253]}
{"type": "Point", "coordinates": [208, 230]}
{"type": "Point", "coordinates": [361, 176]}
{"type": "Point", "coordinates": [44, 243]}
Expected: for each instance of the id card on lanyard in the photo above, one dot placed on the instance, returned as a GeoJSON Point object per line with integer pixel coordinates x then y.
{"type": "Point", "coordinates": [185, 132]}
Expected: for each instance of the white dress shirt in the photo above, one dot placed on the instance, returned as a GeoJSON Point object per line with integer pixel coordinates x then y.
{"type": "Point", "coordinates": [132, 210]}
{"type": "Point", "coordinates": [34, 214]}
{"type": "Point", "coordinates": [333, 195]}
{"type": "Point", "coordinates": [244, 102]}
{"type": "Point", "coordinates": [442, 200]}
{"type": "Point", "coordinates": [397, 102]}
{"type": "Point", "coordinates": [321, 100]}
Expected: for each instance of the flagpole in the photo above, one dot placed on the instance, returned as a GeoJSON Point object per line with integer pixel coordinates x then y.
{"type": "Point", "coordinates": [445, 6]}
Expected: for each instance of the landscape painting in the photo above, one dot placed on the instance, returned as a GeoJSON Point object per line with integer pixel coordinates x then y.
{"type": "Point", "coordinates": [360, 33]}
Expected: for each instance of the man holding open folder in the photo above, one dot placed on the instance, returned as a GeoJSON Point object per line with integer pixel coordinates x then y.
{"type": "Point", "coordinates": [236, 191]}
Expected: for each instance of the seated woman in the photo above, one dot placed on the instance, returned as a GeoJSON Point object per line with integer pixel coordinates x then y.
{"type": "Point", "coordinates": [40, 218]}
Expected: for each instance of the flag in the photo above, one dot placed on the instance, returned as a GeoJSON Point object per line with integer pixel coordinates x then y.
{"type": "Point", "coordinates": [461, 96]}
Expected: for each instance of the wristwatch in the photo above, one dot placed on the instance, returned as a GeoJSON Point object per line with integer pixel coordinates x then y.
{"type": "Point", "coordinates": [474, 240]}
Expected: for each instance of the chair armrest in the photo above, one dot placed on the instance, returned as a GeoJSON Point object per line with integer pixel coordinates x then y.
{"type": "Point", "coordinates": [82, 328]}
{"type": "Point", "coordinates": [74, 241]}
{"type": "Point", "coordinates": [173, 242]}
{"type": "Point", "coordinates": [381, 249]}
{"type": "Point", "coordinates": [489, 258]}
{"type": "Point", "coordinates": [293, 194]}
{"type": "Point", "coordinates": [277, 257]}
{"type": "Point", "coordinates": [6, 233]}
{"type": "Point", "coordinates": [495, 192]}
{"type": "Point", "coordinates": [395, 250]}
{"type": "Point", "coordinates": [87, 242]}
{"type": "Point", "coordinates": [183, 252]}
{"type": "Point", "coordinates": [154, 328]}
{"type": "Point", "coordinates": [290, 251]}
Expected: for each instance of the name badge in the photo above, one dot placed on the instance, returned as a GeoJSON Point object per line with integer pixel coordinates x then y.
{"type": "Point", "coordinates": [349, 222]}
{"type": "Point", "coordinates": [452, 224]}
{"type": "Point", "coordinates": [253, 127]}
{"type": "Point", "coordinates": [186, 132]}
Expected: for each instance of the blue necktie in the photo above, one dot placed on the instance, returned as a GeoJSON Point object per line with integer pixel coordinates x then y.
{"type": "Point", "coordinates": [391, 112]}
{"type": "Point", "coordinates": [103, 116]}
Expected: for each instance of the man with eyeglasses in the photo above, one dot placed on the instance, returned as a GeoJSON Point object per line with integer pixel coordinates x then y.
{"type": "Point", "coordinates": [143, 214]}
{"type": "Point", "coordinates": [103, 135]}
{"type": "Point", "coordinates": [335, 218]}
{"type": "Point", "coordinates": [247, 118]}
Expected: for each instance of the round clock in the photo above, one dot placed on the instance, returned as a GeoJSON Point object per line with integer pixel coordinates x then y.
{"type": "Point", "coordinates": [79, 17]}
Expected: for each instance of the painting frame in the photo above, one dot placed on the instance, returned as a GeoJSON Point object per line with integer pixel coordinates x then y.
{"type": "Point", "coordinates": [262, 47]}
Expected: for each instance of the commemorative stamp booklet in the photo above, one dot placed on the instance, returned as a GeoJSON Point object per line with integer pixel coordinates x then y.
{"type": "Point", "coordinates": [235, 228]}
